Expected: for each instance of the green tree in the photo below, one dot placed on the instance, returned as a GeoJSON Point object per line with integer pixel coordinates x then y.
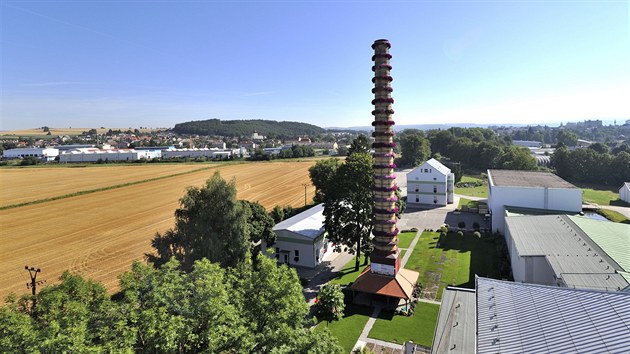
{"type": "Point", "coordinates": [210, 223]}
{"type": "Point", "coordinates": [518, 158]}
{"type": "Point", "coordinates": [560, 161]}
{"type": "Point", "coordinates": [348, 205]}
{"type": "Point", "coordinates": [322, 176]}
{"type": "Point", "coordinates": [330, 303]}
{"type": "Point", "coordinates": [260, 223]}
{"type": "Point", "coordinates": [599, 148]}
{"type": "Point", "coordinates": [359, 144]}
{"type": "Point", "coordinates": [277, 214]}
{"type": "Point", "coordinates": [566, 137]}
{"type": "Point", "coordinates": [414, 147]}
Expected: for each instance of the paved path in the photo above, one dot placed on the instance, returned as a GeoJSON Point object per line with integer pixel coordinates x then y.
{"type": "Point", "coordinates": [625, 211]}
{"type": "Point", "coordinates": [324, 272]}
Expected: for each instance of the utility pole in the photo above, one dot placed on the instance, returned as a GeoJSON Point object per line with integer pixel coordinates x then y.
{"type": "Point", "coordinates": [305, 185]}
{"type": "Point", "coordinates": [32, 271]}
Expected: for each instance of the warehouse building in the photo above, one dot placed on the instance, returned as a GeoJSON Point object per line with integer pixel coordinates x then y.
{"type": "Point", "coordinates": [507, 317]}
{"type": "Point", "coordinates": [95, 155]}
{"type": "Point", "coordinates": [430, 183]}
{"type": "Point", "coordinates": [301, 239]}
{"type": "Point", "coordinates": [569, 251]}
{"type": "Point", "coordinates": [529, 189]}
{"type": "Point", "coordinates": [45, 154]}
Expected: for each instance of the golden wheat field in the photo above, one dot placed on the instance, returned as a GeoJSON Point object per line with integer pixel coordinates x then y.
{"type": "Point", "coordinates": [99, 234]}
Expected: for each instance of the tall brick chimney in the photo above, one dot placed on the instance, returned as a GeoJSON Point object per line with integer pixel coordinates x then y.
{"type": "Point", "coordinates": [385, 257]}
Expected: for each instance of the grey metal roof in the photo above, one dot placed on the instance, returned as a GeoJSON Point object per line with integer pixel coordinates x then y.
{"type": "Point", "coordinates": [455, 330]}
{"type": "Point", "coordinates": [573, 256]}
{"type": "Point", "coordinates": [528, 318]}
{"type": "Point", "coordinates": [309, 223]}
{"type": "Point", "coordinates": [513, 178]}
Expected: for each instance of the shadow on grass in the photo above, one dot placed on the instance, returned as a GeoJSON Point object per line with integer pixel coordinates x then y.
{"type": "Point", "coordinates": [485, 256]}
{"type": "Point", "coordinates": [619, 202]}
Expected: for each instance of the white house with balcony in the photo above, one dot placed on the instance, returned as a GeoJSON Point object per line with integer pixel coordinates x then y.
{"type": "Point", "coordinates": [431, 183]}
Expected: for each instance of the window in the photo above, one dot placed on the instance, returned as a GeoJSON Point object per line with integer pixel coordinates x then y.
{"type": "Point", "coordinates": [434, 200]}
{"type": "Point", "coordinates": [277, 253]}
{"type": "Point", "coordinates": [426, 170]}
{"type": "Point", "coordinates": [417, 200]}
{"type": "Point", "coordinates": [435, 179]}
{"type": "Point", "coordinates": [297, 256]}
{"type": "Point", "coordinates": [434, 189]}
{"type": "Point", "coordinates": [417, 189]}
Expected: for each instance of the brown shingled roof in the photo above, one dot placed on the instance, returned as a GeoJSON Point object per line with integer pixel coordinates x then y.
{"type": "Point", "coordinates": [400, 286]}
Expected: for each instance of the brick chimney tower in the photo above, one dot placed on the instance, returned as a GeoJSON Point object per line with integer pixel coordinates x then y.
{"type": "Point", "coordinates": [385, 257]}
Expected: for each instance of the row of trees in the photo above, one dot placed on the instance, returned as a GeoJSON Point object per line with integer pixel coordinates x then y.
{"type": "Point", "coordinates": [474, 148]}
{"type": "Point", "coordinates": [209, 309]}
{"type": "Point", "coordinates": [269, 128]}
{"type": "Point", "coordinates": [593, 165]}
{"type": "Point", "coordinates": [296, 151]}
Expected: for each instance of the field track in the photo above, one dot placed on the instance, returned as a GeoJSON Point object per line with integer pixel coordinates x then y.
{"type": "Point", "coordinates": [99, 234]}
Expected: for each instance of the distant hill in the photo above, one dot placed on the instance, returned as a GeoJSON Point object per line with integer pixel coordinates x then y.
{"type": "Point", "coordinates": [246, 127]}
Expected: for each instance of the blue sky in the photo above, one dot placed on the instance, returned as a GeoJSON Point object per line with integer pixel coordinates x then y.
{"type": "Point", "coordinates": [156, 63]}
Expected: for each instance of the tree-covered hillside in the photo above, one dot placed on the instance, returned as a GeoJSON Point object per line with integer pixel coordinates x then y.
{"type": "Point", "coordinates": [269, 128]}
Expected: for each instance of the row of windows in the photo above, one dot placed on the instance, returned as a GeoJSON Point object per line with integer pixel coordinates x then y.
{"type": "Point", "coordinates": [434, 200]}
{"type": "Point", "coordinates": [434, 189]}
{"type": "Point", "coordinates": [296, 257]}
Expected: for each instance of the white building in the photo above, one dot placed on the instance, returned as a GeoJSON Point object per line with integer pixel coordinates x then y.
{"type": "Point", "coordinates": [527, 143]}
{"type": "Point", "coordinates": [624, 192]}
{"type": "Point", "coordinates": [47, 154]}
{"type": "Point", "coordinates": [301, 239]}
{"type": "Point", "coordinates": [529, 189]}
{"type": "Point", "coordinates": [94, 155]}
{"type": "Point", "coordinates": [430, 183]}
{"type": "Point", "coordinates": [196, 153]}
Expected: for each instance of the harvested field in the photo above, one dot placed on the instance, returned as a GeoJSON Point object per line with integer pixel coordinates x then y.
{"type": "Point", "coordinates": [40, 183]}
{"type": "Point", "coordinates": [99, 234]}
{"type": "Point", "coordinates": [64, 131]}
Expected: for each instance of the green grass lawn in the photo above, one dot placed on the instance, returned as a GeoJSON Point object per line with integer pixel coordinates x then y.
{"type": "Point", "coordinates": [601, 195]}
{"type": "Point", "coordinates": [470, 203]}
{"type": "Point", "coordinates": [480, 191]}
{"type": "Point", "coordinates": [349, 328]}
{"type": "Point", "coordinates": [418, 328]}
{"type": "Point", "coordinates": [613, 216]}
{"type": "Point", "coordinates": [455, 262]}
{"type": "Point", "coordinates": [348, 275]}
{"type": "Point", "coordinates": [405, 239]}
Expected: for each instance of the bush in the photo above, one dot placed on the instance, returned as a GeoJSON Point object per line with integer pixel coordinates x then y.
{"type": "Point", "coordinates": [477, 234]}
{"type": "Point", "coordinates": [460, 233]}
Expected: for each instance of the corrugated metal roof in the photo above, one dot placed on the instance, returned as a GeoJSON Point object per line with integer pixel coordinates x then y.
{"type": "Point", "coordinates": [568, 250]}
{"type": "Point", "coordinates": [309, 223]}
{"type": "Point", "coordinates": [455, 329]}
{"type": "Point", "coordinates": [529, 318]}
{"type": "Point", "coordinates": [513, 178]}
{"type": "Point", "coordinates": [613, 238]}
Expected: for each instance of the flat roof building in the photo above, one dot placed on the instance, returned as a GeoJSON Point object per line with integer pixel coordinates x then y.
{"type": "Point", "coordinates": [529, 189]}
